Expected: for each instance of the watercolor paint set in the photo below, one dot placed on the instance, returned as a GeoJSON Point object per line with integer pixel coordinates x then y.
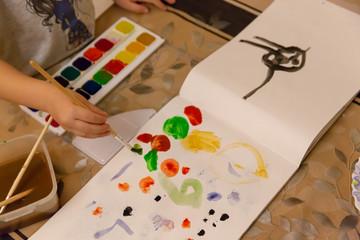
{"type": "Point", "coordinates": [103, 64]}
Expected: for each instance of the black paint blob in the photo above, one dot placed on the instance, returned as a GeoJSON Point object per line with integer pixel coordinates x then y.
{"type": "Point", "coordinates": [127, 211]}
{"type": "Point", "coordinates": [158, 198]}
{"type": "Point", "coordinates": [224, 217]}
{"type": "Point", "coordinates": [211, 212]}
{"type": "Point", "coordinates": [205, 219]}
{"type": "Point", "coordinates": [201, 233]}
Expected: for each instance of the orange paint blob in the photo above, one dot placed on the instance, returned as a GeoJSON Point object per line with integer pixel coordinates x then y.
{"type": "Point", "coordinates": [98, 211]}
{"type": "Point", "coordinates": [145, 184]}
{"type": "Point", "coordinates": [161, 143]}
{"type": "Point", "coordinates": [170, 167]}
{"type": "Point", "coordinates": [124, 187]}
{"type": "Point", "coordinates": [194, 115]}
{"type": "Point", "coordinates": [185, 170]}
{"type": "Point", "coordinates": [145, 137]}
{"type": "Point", "coordinates": [186, 223]}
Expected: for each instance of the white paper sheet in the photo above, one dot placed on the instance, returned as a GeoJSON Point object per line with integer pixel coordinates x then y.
{"type": "Point", "coordinates": [293, 107]}
{"type": "Point", "coordinates": [226, 178]}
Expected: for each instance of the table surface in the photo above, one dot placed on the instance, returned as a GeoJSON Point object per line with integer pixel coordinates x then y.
{"type": "Point", "coordinates": [316, 203]}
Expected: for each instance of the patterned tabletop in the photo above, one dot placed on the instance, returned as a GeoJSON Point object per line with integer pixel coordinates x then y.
{"type": "Point", "coordinates": [316, 203]}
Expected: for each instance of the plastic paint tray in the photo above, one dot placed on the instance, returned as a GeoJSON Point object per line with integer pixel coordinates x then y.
{"type": "Point", "coordinates": [39, 209]}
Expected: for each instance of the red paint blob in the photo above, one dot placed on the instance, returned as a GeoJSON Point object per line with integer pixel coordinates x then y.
{"type": "Point", "coordinates": [194, 115]}
{"type": "Point", "coordinates": [185, 170]}
{"type": "Point", "coordinates": [104, 45]}
{"type": "Point", "coordinates": [124, 187]}
{"type": "Point", "coordinates": [145, 138]}
{"type": "Point", "coordinates": [114, 66]}
{"type": "Point", "coordinates": [170, 167]}
{"type": "Point", "coordinates": [161, 143]}
{"type": "Point", "coordinates": [145, 184]}
{"type": "Point", "coordinates": [186, 223]}
{"type": "Point", "coordinates": [53, 122]}
{"type": "Point", "coordinates": [98, 211]}
{"type": "Point", "coordinates": [93, 54]}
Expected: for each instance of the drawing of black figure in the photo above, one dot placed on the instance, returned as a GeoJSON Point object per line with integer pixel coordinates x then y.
{"type": "Point", "coordinates": [289, 59]}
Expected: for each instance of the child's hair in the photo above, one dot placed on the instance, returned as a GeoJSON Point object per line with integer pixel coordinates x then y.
{"type": "Point", "coordinates": [44, 9]}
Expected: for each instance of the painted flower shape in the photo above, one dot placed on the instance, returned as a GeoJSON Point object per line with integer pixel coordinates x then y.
{"type": "Point", "coordinates": [356, 184]}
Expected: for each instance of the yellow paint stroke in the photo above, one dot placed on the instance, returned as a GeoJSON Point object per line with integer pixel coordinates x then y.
{"type": "Point", "coordinates": [238, 166]}
{"type": "Point", "coordinates": [261, 170]}
{"type": "Point", "coordinates": [201, 140]}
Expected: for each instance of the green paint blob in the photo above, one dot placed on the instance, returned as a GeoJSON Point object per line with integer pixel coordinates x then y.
{"type": "Point", "coordinates": [137, 149]}
{"type": "Point", "coordinates": [180, 197]}
{"type": "Point", "coordinates": [178, 127]}
{"type": "Point", "coordinates": [102, 77]}
{"type": "Point", "coordinates": [70, 73]}
{"type": "Point", "coordinates": [151, 160]}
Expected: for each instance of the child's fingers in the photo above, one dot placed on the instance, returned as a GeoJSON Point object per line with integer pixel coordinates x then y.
{"type": "Point", "coordinates": [87, 130]}
{"type": "Point", "coordinates": [93, 108]}
{"type": "Point", "coordinates": [157, 3]}
{"type": "Point", "coordinates": [132, 6]}
{"type": "Point", "coordinates": [89, 116]}
{"type": "Point", "coordinates": [170, 1]}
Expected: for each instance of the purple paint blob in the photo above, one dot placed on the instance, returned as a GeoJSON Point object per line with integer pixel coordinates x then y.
{"type": "Point", "coordinates": [233, 197]}
{"type": "Point", "coordinates": [122, 170]}
{"type": "Point", "coordinates": [214, 196]}
{"type": "Point", "coordinates": [232, 171]}
{"type": "Point", "coordinates": [90, 204]}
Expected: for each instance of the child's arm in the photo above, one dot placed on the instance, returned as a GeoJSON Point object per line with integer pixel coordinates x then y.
{"type": "Point", "coordinates": [21, 89]}
{"type": "Point", "coordinates": [134, 6]}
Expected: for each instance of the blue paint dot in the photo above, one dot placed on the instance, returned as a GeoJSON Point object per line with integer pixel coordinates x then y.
{"type": "Point", "coordinates": [234, 196]}
{"type": "Point", "coordinates": [33, 109]}
{"type": "Point", "coordinates": [214, 196]}
{"type": "Point", "coordinates": [91, 87]}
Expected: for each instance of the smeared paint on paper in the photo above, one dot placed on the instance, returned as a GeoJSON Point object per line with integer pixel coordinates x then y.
{"type": "Point", "coordinates": [177, 127]}
{"type": "Point", "coordinates": [170, 167]}
{"type": "Point", "coordinates": [181, 197]}
{"type": "Point", "coordinates": [185, 170]}
{"type": "Point", "coordinates": [201, 141]}
{"type": "Point", "coordinates": [163, 223]}
{"type": "Point", "coordinates": [145, 184]}
{"type": "Point", "coordinates": [186, 223]}
{"type": "Point", "coordinates": [124, 187]}
{"type": "Point", "coordinates": [151, 159]}
{"type": "Point", "coordinates": [194, 115]}
{"type": "Point", "coordinates": [118, 222]}
{"type": "Point", "coordinates": [122, 170]}
{"type": "Point", "coordinates": [98, 211]}
{"type": "Point", "coordinates": [161, 143]}
{"type": "Point", "coordinates": [214, 196]}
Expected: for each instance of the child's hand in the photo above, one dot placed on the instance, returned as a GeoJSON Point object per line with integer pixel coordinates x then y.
{"type": "Point", "coordinates": [137, 7]}
{"type": "Point", "coordinates": [78, 120]}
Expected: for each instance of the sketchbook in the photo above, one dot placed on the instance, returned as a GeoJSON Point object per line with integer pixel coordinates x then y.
{"type": "Point", "coordinates": [244, 120]}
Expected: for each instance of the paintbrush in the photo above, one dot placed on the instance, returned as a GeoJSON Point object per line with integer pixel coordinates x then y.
{"type": "Point", "coordinates": [26, 164]}
{"type": "Point", "coordinates": [79, 103]}
{"type": "Point", "coordinates": [16, 197]}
